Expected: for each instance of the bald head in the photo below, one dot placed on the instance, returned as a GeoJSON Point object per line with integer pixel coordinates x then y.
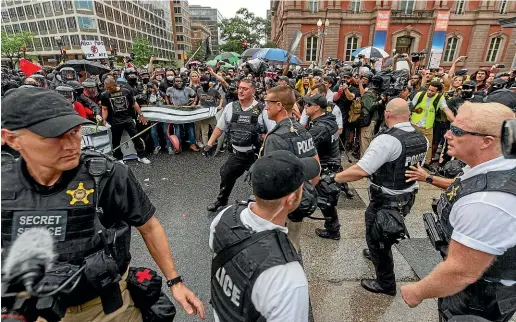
{"type": "Point", "coordinates": [398, 106]}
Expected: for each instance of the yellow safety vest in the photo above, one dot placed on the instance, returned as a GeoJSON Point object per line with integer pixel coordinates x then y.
{"type": "Point", "coordinates": [415, 118]}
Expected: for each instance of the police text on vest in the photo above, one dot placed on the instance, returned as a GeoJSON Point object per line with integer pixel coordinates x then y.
{"type": "Point", "coordinates": [227, 285]}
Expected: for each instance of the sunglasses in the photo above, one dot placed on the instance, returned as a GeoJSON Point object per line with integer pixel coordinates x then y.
{"type": "Point", "coordinates": [267, 102]}
{"type": "Point", "coordinates": [457, 131]}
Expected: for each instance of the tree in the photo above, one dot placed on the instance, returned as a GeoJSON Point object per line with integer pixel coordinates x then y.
{"type": "Point", "coordinates": [269, 44]}
{"type": "Point", "coordinates": [12, 44]}
{"type": "Point", "coordinates": [200, 53]}
{"type": "Point", "coordinates": [142, 51]}
{"type": "Point", "coordinates": [246, 26]}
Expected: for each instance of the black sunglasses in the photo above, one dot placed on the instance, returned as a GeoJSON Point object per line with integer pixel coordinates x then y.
{"type": "Point", "coordinates": [457, 131]}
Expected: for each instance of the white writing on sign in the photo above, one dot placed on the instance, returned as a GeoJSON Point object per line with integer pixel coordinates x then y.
{"type": "Point", "coordinates": [53, 220]}
{"type": "Point", "coordinates": [94, 49]}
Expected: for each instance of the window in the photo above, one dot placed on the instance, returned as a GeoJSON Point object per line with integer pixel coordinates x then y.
{"type": "Point", "coordinates": [5, 14]}
{"type": "Point", "coordinates": [37, 9]}
{"type": "Point", "coordinates": [47, 8]}
{"type": "Point", "coordinates": [355, 6]}
{"type": "Point", "coordinates": [61, 23]}
{"type": "Point", "coordinates": [407, 6]}
{"type": "Point", "coordinates": [67, 5]}
{"type": "Point", "coordinates": [51, 25]}
{"type": "Point", "coordinates": [46, 42]}
{"type": "Point", "coordinates": [404, 45]}
{"type": "Point", "coordinates": [494, 48]}
{"type": "Point", "coordinates": [37, 43]}
{"type": "Point", "coordinates": [29, 10]}
{"type": "Point", "coordinates": [503, 6]}
{"type": "Point", "coordinates": [102, 25]}
{"type": "Point", "coordinates": [84, 5]}
{"type": "Point", "coordinates": [70, 21]}
{"type": "Point", "coordinates": [99, 8]}
{"type": "Point", "coordinates": [311, 49]}
{"type": "Point", "coordinates": [109, 12]}
{"type": "Point", "coordinates": [87, 23]}
{"type": "Point", "coordinates": [16, 28]}
{"type": "Point", "coordinates": [313, 5]}
{"type": "Point", "coordinates": [74, 40]}
{"type": "Point", "coordinates": [180, 38]}
{"type": "Point", "coordinates": [111, 28]}
{"type": "Point", "coordinates": [460, 6]}
{"type": "Point", "coordinates": [177, 10]}
{"type": "Point", "coordinates": [121, 46]}
{"type": "Point", "coordinates": [351, 46]}
{"type": "Point", "coordinates": [116, 13]}
{"type": "Point", "coordinates": [450, 49]}
{"type": "Point", "coordinates": [24, 26]}
{"type": "Point", "coordinates": [179, 28]}
{"type": "Point", "coordinates": [33, 27]}
{"type": "Point", "coordinates": [127, 33]}
{"type": "Point", "coordinates": [125, 19]}
{"type": "Point", "coordinates": [65, 40]}
{"type": "Point", "coordinates": [21, 12]}
{"type": "Point", "coordinates": [119, 31]}
{"type": "Point", "coordinates": [178, 19]}
{"type": "Point", "coordinates": [57, 5]}
{"type": "Point", "coordinates": [42, 25]}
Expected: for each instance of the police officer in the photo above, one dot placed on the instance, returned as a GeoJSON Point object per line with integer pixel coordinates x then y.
{"type": "Point", "coordinates": [245, 122]}
{"type": "Point", "coordinates": [83, 192]}
{"type": "Point", "coordinates": [266, 281]}
{"type": "Point", "coordinates": [325, 133]}
{"type": "Point", "coordinates": [478, 215]}
{"type": "Point", "coordinates": [385, 162]}
{"type": "Point", "coordinates": [289, 135]}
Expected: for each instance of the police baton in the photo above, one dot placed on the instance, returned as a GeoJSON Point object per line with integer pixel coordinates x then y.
{"type": "Point", "coordinates": [134, 137]}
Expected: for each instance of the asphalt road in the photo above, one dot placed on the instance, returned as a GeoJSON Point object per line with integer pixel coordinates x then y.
{"type": "Point", "coordinates": [181, 186]}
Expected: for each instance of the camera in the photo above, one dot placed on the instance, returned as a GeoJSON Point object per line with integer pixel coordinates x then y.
{"type": "Point", "coordinates": [509, 139]}
{"type": "Point", "coordinates": [417, 56]}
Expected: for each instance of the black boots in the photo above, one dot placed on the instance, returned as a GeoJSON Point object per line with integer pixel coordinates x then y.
{"type": "Point", "coordinates": [323, 233]}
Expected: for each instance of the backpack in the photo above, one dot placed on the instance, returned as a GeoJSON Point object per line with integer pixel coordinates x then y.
{"type": "Point", "coordinates": [366, 115]}
{"type": "Point", "coordinates": [354, 111]}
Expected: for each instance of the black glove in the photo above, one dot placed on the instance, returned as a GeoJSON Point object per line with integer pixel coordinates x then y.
{"type": "Point", "coordinates": [207, 150]}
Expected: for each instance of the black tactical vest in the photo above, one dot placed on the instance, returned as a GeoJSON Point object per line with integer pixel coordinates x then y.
{"type": "Point", "coordinates": [70, 216]}
{"type": "Point", "coordinates": [504, 266]}
{"type": "Point", "coordinates": [232, 285]}
{"type": "Point", "coordinates": [244, 129]}
{"type": "Point", "coordinates": [299, 140]}
{"type": "Point", "coordinates": [328, 151]}
{"type": "Point", "coordinates": [391, 175]}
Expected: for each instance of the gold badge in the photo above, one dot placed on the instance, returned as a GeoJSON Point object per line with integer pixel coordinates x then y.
{"type": "Point", "coordinates": [79, 194]}
{"type": "Point", "coordinates": [453, 193]}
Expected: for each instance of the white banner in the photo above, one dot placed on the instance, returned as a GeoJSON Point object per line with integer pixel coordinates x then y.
{"type": "Point", "coordinates": [94, 49]}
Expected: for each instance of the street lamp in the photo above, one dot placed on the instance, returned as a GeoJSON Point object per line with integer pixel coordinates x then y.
{"type": "Point", "coordinates": [321, 27]}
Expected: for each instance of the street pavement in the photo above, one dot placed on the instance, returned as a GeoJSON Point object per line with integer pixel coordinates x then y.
{"type": "Point", "coordinates": [181, 186]}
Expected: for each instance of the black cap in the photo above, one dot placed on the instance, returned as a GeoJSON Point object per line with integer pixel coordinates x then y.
{"type": "Point", "coordinates": [204, 79]}
{"type": "Point", "coordinates": [280, 173]}
{"type": "Point", "coordinates": [461, 72]}
{"type": "Point", "coordinates": [39, 110]}
{"type": "Point", "coordinates": [347, 74]}
{"type": "Point", "coordinates": [499, 81]}
{"type": "Point", "coordinates": [317, 99]}
{"type": "Point", "coordinates": [471, 84]}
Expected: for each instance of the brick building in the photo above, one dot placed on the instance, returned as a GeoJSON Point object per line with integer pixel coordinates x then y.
{"type": "Point", "coordinates": [181, 27]}
{"type": "Point", "coordinates": [473, 29]}
{"type": "Point", "coordinates": [199, 33]}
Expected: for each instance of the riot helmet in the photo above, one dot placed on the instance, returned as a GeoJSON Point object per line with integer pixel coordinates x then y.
{"type": "Point", "coordinates": [42, 81]}
{"type": "Point", "coordinates": [131, 75]}
{"type": "Point", "coordinates": [90, 88]}
{"type": "Point", "coordinates": [78, 89]}
{"type": "Point", "coordinates": [467, 90]}
{"type": "Point", "coordinates": [68, 74]}
{"type": "Point", "coordinates": [66, 91]}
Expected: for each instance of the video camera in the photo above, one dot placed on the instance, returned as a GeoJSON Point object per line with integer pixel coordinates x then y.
{"type": "Point", "coordinates": [417, 56]}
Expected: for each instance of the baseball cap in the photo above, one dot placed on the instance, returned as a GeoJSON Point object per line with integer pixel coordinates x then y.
{"type": "Point", "coordinates": [284, 78]}
{"type": "Point", "coordinates": [347, 74]}
{"type": "Point", "coordinates": [204, 79]}
{"type": "Point", "coordinates": [317, 99]}
{"type": "Point", "coordinates": [40, 110]}
{"type": "Point", "coordinates": [280, 173]}
{"type": "Point", "coordinates": [461, 72]}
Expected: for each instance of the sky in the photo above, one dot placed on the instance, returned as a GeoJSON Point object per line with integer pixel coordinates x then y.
{"type": "Point", "coordinates": [228, 8]}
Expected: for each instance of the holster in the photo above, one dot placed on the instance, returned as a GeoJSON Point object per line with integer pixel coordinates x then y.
{"type": "Point", "coordinates": [101, 272]}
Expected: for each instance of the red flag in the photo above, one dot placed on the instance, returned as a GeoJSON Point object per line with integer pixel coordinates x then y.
{"type": "Point", "coordinates": [27, 67]}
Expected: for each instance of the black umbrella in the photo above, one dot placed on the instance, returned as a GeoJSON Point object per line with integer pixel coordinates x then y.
{"type": "Point", "coordinates": [250, 52]}
{"type": "Point", "coordinates": [80, 65]}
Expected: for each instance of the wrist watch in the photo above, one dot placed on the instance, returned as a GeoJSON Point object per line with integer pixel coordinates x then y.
{"type": "Point", "coordinates": [174, 281]}
{"type": "Point", "coordinates": [430, 179]}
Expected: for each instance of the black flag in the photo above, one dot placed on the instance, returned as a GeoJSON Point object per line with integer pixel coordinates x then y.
{"type": "Point", "coordinates": [208, 50]}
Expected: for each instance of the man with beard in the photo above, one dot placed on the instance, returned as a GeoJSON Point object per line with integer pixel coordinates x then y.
{"type": "Point", "coordinates": [117, 104]}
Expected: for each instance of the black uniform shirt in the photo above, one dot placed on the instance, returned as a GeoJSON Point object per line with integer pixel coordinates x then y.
{"type": "Point", "coordinates": [119, 105]}
{"type": "Point", "coordinates": [122, 198]}
{"type": "Point", "coordinates": [304, 143]}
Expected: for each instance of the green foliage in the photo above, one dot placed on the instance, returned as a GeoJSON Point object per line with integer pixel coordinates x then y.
{"type": "Point", "coordinates": [12, 43]}
{"type": "Point", "coordinates": [244, 25]}
{"type": "Point", "coordinates": [142, 51]}
{"type": "Point", "coordinates": [269, 44]}
{"type": "Point", "coordinates": [200, 54]}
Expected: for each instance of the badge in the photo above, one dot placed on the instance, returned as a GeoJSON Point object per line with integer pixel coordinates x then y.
{"type": "Point", "coordinates": [453, 193]}
{"type": "Point", "coordinates": [79, 194]}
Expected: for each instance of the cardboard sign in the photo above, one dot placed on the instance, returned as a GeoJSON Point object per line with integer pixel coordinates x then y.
{"type": "Point", "coordinates": [94, 49]}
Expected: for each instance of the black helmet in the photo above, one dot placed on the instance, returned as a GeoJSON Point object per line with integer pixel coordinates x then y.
{"type": "Point", "coordinates": [42, 81]}
{"type": "Point", "coordinates": [308, 204]}
{"type": "Point", "coordinates": [68, 74]}
{"type": "Point", "coordinates": [66, 91]}
{"type": "Point", "coordinates": [369, 75]}
{"type": "Point", "coordinates": [130, 73]}
{"type": "Point", "coordinates": [78, 89]}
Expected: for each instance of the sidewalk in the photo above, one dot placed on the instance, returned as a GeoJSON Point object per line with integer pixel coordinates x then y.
{"type": "Point", "coordinates": [334, 268]}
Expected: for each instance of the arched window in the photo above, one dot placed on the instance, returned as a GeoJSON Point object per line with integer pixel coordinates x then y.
{"type": "Point", "coordinates": [494, 49]}
{"type": "Point", "coordinates": [450, 51]}
{"type": "Point", "coordinates": [311, 48]}
{"type": "Point", "coordinates": [351, 46]}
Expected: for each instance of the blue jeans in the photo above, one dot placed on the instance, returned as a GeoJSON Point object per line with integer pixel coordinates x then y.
{"type": "Point", "coordinates": [154, 134]}
{"type": "Point", "coordinates": [190, 132]}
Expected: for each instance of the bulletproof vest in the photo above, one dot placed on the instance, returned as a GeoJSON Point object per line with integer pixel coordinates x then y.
{"type": "Point", "coordinates": [299, 140]}
{"type": "Point", "coordinates": [70, 216]}
{"type": "Point", "coordinates": [391, 175]}
{"type": "Point", "coordinates": [504, 267]}
{"type": "Point", "coordinates": [244, 128]}
{"type": "Point", "coordinates": [232, 285]}
{"type": "Point", "coordinates": [328, 150]}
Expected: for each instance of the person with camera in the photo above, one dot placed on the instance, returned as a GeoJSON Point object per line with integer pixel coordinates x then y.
{"type": "Point", "coordinates": [385, 161]}
{"type": "Point", "coordinates": [467, 94]}
{"type": "Point", "coordinates": [256, 273]}
{"type": "Point", "coordinates": [477, 219]}
{"type": "Point", "coordinates": [325, 134]}
{"type": "Point", "coordinates": [344, 98]}
{"type": "Point", "coordinates": [427, 105]}
{"type": "Point", "coordinates": [75, 194]}
{"type": "Point", "coordinates": [369, 113]}
{"type": "Point", "coordinates": [244, 122]}
{"type": "Point", "coordinates": [498, 93]}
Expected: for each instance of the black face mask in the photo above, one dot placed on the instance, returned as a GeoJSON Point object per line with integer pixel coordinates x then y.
{"type": "Point", "coordinates": [132, 81]}
{"type": "Point", "coordinates": [466, 94]}
{"type": "Point", "coordinates": [145, 80]}
{"type": "Point", "coordinates": [205, 87]}
{"type": "Point", "coordinates": [492, 89]}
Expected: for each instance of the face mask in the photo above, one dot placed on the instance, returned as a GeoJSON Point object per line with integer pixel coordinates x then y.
{"type": "Point", "coordinates": [466, 94]}
{"type": "Point", "coordinates": [145, 80]}
{"type": "Point", "coordinates": [132, 81]}
{"type": "Point", "coordinates": [170, 78]}
{"type": "Point", "coordinates": [206, 86]}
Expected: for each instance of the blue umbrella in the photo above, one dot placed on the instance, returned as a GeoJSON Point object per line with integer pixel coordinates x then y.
{"type": "Point", "coordinates": [276, 54]}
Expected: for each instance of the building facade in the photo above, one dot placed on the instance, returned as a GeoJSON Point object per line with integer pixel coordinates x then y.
{"type": "Point", "coordinates": [199, 34]}
{"type": "Point", "coordinates": [209, 17]}
{"type": "Point", "coordinates": [473, 28]}
{"type": "Point", "coordinates": [64, 23]}
{"type": "Point", "coordinates": [181, 28]}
